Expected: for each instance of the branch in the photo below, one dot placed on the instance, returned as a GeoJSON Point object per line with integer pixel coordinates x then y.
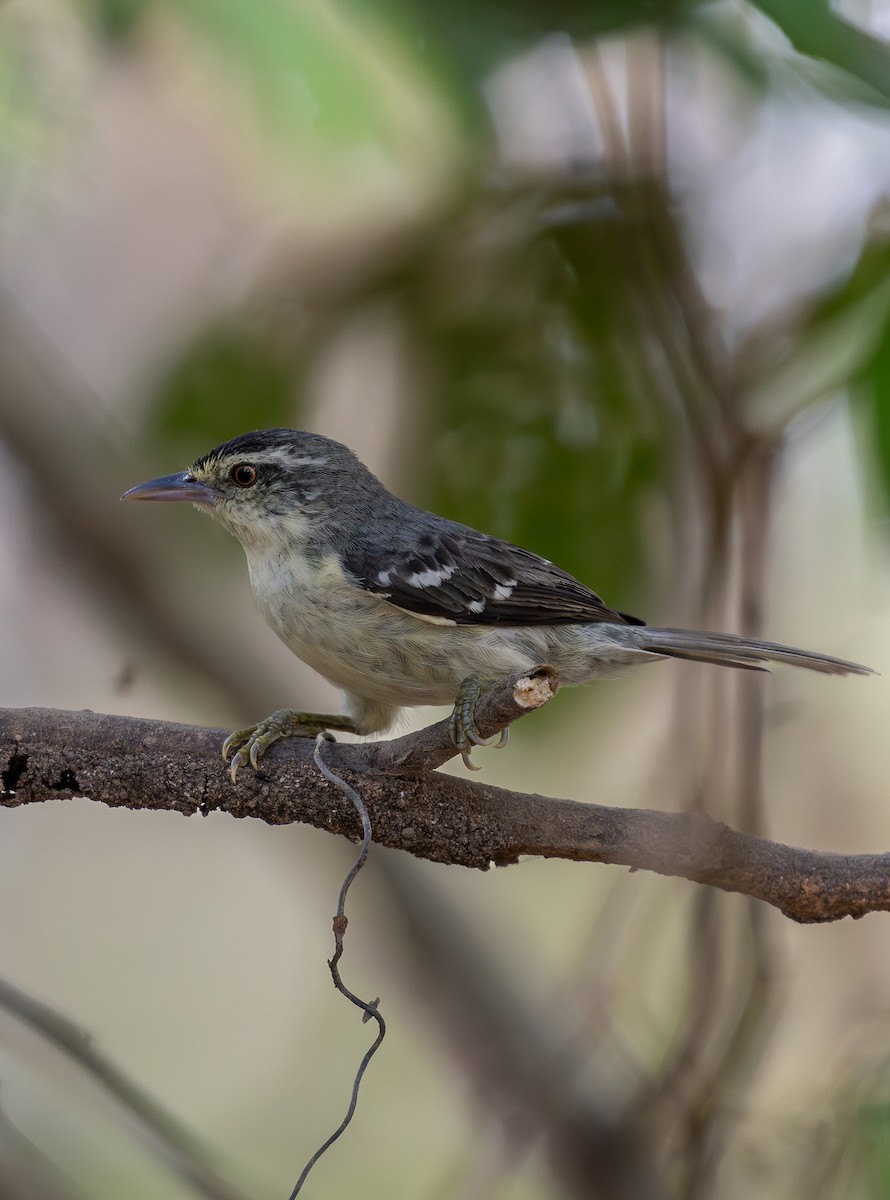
{"type": "Point", "coordinates": [133, 763]}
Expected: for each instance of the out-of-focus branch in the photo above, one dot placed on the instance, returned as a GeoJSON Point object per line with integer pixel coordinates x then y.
{"type": "Point", "coordinates": [132, 763]}
{"type": "Point", "coordinates": [154, 1124]}
{"type": "Point", "coordinates": [527, 1067]}
{"type": "Point", "coordinates": [63, 445]}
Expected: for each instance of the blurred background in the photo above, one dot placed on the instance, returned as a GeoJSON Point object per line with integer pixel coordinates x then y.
{"type": "Point", "coordinates": [611, 280]}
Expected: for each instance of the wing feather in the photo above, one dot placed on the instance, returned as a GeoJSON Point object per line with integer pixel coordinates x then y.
{"type": "Point", "coordinates": [448, 572]}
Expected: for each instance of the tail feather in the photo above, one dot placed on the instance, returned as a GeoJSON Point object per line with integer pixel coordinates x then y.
{"type": "Point", "coordinates": [733, 650]}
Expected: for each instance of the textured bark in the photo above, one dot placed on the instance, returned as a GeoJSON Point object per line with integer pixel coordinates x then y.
{"type": "Point", "coordinates": [127, 762]}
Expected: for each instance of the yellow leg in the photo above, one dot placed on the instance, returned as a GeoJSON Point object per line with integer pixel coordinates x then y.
{"type": "Point", "coordinates": [252, 743]}
{"type": "Point", "coordinates": [464, 733]}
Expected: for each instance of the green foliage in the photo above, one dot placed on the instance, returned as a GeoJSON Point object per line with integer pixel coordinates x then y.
{"type": "Point", "coordinates": [536, 432]}
{"type": "Point", "coordinates": [480, 34]}
{"type": "Point", "coordinates": [118, 19]}
{"type": "Point", "coordinates": [306, 75]}
{"type": "Point", "coordinates": [314, 80]}
{"type": "Point", "coordinates": [815, 29]}
{"type": "Point", "coordinates": [877, 396]}
{"type": "Point", "coordinates": [837, 345]}
{"type": "Point", "coordinates": [854, 321]}
{"type": "Point", "coordinates": [310, 79]}
{"type": "Point", "coordinates": [31, 120]}
{"type": "Point", "coordinates": [873, 1127]}
{"type": "Point", "coordinates": [224, 385]}
{"type": "Point", "coordinates": [539, 408]}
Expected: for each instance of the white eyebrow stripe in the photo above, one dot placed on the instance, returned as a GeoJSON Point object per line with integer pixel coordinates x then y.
{"type": "Point", "coordinates": [276, 456]}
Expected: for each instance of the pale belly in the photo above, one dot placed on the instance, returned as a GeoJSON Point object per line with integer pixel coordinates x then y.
{"type": "Point", "coordinates": [377, 651]}
{"type": "Point", "coordinates": [369, 648]}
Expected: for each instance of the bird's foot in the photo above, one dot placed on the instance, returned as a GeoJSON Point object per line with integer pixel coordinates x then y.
{"type": "Point", "coordinates": [251, 744]}
{"type": "Point", "coordinates": [464, 732]}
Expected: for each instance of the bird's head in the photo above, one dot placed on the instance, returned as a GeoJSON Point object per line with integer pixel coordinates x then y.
{"type": "Point", "coordinates": [267, 486]}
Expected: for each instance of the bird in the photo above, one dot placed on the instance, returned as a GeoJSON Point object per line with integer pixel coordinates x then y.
{"type": "Point", "coordinates": [399, 607]}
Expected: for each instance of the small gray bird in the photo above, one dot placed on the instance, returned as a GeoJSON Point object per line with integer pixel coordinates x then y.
{"type": "Point", "coordinates": [399, 607]}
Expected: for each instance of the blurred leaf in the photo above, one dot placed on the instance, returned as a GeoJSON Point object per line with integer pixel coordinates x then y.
{"type": "Point", "coordinates": [845, 342]}
{"type": "Point", "coordinates": [835, 347]}
{"type": "Point", "coordinates": [870, 273]}
{"type": "Point", "coordinates": [480, 34]}
{"type": "Point", "coordinates": [307, 70]}
{"type": "Point", "coordinates": [727, 34]}
{"type": "Point", "coordinates": [839, 346]}
{"type": "Point", "coordinates": [311, 71]}
{"type": "Point", "coordinates": [874, 1135]}
{"type": "Point", "coordinates": [877, 393]}
{"type": "Point", "coordinates": [118, 18]}
{"type": "Point", "coordinates": [37, 95]}
{"type": "Point", "coordinates": [225, 385]}
{"type": "Point", "coordinates": [815, 29]}
{"type": "Point", "coordinates": [863, 306]}
{"type": "Point", "coordinates": [537, 438]}
{"type": "Point", "coordinates": [575, 503]}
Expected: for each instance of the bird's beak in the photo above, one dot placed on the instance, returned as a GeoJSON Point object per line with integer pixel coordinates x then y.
{"type": "Point", "coordinates": [174, 487]}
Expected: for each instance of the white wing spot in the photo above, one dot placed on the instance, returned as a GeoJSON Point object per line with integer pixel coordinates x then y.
{"type": "Point", "coordinates": [383, 578]}
{"type": "Point", "coordinates": [504, 591]}
{"type": "Point", "coordinates": [476, 606]}
{"type": "Point", "coordinates": [430, 578]}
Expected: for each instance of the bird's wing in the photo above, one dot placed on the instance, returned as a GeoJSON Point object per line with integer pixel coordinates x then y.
{"type": "Point", "coordinates": [450, 573]}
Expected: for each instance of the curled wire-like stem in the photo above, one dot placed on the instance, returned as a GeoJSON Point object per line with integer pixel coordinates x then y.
{"type": "Point", "coordinates": [369, 1008]}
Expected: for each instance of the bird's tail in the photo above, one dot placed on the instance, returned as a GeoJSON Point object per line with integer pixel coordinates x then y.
{"type": "Point", "coordinates": [733, 650]}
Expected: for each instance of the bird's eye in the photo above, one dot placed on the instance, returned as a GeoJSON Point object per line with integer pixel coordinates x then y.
{"type": "Point", "coordinates": [244, 475]}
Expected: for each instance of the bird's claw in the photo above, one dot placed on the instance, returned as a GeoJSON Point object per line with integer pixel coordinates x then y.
{"type": "Point", "coordinates": [464, 732]}
{"type": "Point", "coordinates": [251, 743]}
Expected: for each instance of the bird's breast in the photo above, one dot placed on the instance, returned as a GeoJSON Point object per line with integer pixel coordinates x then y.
{"type": "Point", "coordinates": [369, 647]}
{"type": "Point", "coordinates": [352, 637]}
{"type": "Point", "coordinates": [303, 598]}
